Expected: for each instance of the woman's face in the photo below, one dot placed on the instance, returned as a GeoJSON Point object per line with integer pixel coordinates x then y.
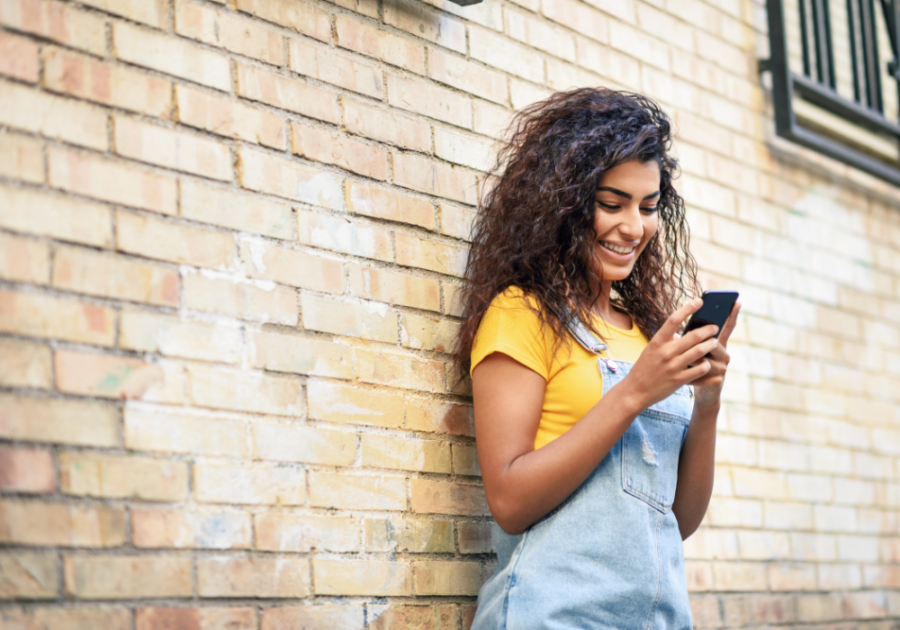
{"type": "Point", "coordinates": [626, 217]}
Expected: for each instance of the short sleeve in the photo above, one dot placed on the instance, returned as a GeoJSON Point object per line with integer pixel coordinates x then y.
{"type": "Point", "coordinates": [511, 326]}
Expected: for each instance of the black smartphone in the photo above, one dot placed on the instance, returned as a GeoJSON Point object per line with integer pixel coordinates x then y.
{"type": "Point", "coordinates": [716, 308]}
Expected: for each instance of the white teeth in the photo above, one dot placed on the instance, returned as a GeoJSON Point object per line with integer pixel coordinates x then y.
{"type": "Point", "coordinates": [616, 248]}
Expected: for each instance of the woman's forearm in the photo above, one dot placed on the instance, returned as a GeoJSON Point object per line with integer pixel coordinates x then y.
{"type": "Point", "coordinates": [538, 481]}
{"type": "Point", "coordinates": [696, 469]}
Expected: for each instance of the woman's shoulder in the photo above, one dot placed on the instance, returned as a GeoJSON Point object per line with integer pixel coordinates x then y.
{"type": "Point", "coordinates": [514, 298]}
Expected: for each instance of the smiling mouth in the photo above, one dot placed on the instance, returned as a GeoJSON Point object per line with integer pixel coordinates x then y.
{"type": "Point", "coordinates": [618, 249]}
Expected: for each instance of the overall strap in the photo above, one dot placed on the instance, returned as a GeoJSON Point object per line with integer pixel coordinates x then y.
{"type": "Point", "coordinates": [585, 337]}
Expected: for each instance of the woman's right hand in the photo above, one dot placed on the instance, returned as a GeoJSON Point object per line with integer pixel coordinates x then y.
{"type": "Point", "coordinates": [670, 361]}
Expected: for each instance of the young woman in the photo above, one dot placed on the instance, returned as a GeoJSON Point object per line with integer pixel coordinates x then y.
{"type": "Point", "coordinates": [595, 421]}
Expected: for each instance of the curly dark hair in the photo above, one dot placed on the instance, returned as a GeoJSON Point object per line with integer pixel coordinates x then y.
{"type": "Point", "coordinates": [536, 227]}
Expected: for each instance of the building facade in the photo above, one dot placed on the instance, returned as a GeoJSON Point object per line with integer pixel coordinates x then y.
{"type": "Point", "coordinates": [231, 237]}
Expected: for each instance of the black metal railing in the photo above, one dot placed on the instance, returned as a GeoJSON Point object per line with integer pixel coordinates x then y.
{"type": "Point", "coordinates": [821, 75]}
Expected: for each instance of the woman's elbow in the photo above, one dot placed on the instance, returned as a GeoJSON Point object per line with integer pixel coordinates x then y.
{"type": "Point", "coordinates": [507, 514]}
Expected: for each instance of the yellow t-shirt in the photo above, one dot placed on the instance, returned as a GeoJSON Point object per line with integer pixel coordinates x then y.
{"type": "Point", "coordinates": [574, 384]}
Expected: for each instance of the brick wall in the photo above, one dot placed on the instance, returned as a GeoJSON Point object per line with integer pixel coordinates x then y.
{"type": "Point", "coordinates": [231, 234]}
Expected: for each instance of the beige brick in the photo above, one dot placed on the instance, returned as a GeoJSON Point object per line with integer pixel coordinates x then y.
{"type": "Point", "coordinates": [58, 22]}
{"type": "Point", "coordinates": [222, 30]}
{"type": "Point", "coordinates": [244, 391]}
{"type": "Point", "coordinates": [415, 535]}
{"type": "Point", "coordinates": [174, 431]}
{"type": "Point", "coordinates": [25, 364]}
{"type": "Point", "coordinates": [344, 235]}
{"type": "Point", "coordinates": [303, 18]}
{"type": "Point", "coordinates": [18, 58]}
{"type": "Point", "coordinates": [336, 402]}
{"type": "Point", "coordinates": [522, 93]}
{"type": "Point", "coordinates": [287, 532]}
{"type": "Point", "coordinates": [171, 336]}
{"type": "Point", "coordinates": [171, 55]}
{"type": "Point", "coordinates": [447, 497]}
{"type": "Point", "coordinates": [21, 158]}
{"type": "Point", "coordinates": [26, 470]}
{"type": "Point", "coordinates": [235, 210]}
{"type": "Point", "coordinates": [456, 220]}
{"type": "Point", "coordinates": [425, 332]}
{"type": "Point", "coordinates": [434, 178]}
{"type": "Point", "coordinates": [580, 18]}
{"type": "Point", "coordinates": [759, 483]}
{"type": "Point", "coordinates": [122, 477]}
{"type": "Point", "coordinates": [361, 577]}
{"type": "Point", "coordinates": [111, 376]}
{"type": "Point", "coordinates": [68, 618]}
{"type": "Point", "coordinates": [172, 242]}
{"type": "Point", "coordinates": [299, 355]}
{"type": "Point", "coordinates": [55, 216]}
{"type": "Point", "coordinates": [467, 76]}
{"type": "Point", "coordinates": [109, 84]}
{"type": "Point", "coordinates": [388, 47]}
{"type": "Point", "coordinates": [302, 444]}
{"type": "Point", "coordinates": [465, 149]}
{"type": "Point", "coordinates": [448, 578]}
{"type": "Point", "coordinates": [227, 118]}
{"type": "Point", "coordinates": [354, 319]}
{"type": "Point", "coordinates": [127, 577]}
{"type": "Point", "coordinates": [388, 286]}
{"type": "Point", "coordinates": [385, 451]}
{"type": "Point", "coordinates": [423, 97]}
{"type": "Point", "coordinates": [436, 256]}
{"type": "Point", "coordinates": [255, 484]}
{"type": "Point", "coordinates": [331, 147]}
{"type": "Point", "coordinates": [26, 575]}
{"type": "Point", "coordinates": [357, 492]}
{"type": "Point", "coordinates": [387, 126]}
{"type": "Point", "coordinates": [475, 537]}
{"type": "Point", "coordinates": [439, 417]}
{"type": "Point", "coordinates": [540, 35]}
{"type": "Point", "coordinates": [113, 181]}
{"type": "Point", "coordinates": [289, 93]}
{"type": "Point", "coordinates": [258, 577]}
{"type": "Point", "coordinates": [52, 116]}
{"type": "Point", "coordinates": [499, 52]}
{"type": "Point", "coordinates": [58, 421]}
{"type": "Point", "coordinates": [152, 12]}
{"type": "Point", "coordinates": [114, 276]}
{"type": "Point", "coordinates": [412, 616]}
{"type": "Point", "coordinates": [24, 260]}
{"type": "Point", "coordinates": [368, 8]}
{"type": "Point", "coordinates": [341, 70]}
{"type": "Point", "coordinates": [35, 523]}
{"type": "Point", "coordinates": [421, 22]}
{"type": "Point", "coordinates": [839, 577]}
{"type": "Point", "coordinates": [740, 576]}
{"type": "Point", "coordinates": [452, 298]}
{"type": "Point", "coordinates": [489, 119]}
{"type": "Point", "coordinates": [289, 179]}
{"type": "Point", "coordinates": [241, 299]}
{"type": "Point", "coordinates": [201, 618]}
{"type": "Point", "coordinates": [172, 149]}
{"type": "Point", "coordinates": [44, 316]}
{"type": "Point", "coordinates": [347, 617]}
{"type": "Point", "coordinates": [195, 529]}
{"type": "Point", "coordinates": [387, 204]}
{"type": "Point", "coordinates": [465, 460]}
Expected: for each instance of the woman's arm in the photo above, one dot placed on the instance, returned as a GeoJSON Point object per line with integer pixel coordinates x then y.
{"type": "Point", "coordinates": [523, 484]}
{"type": "Point", "coordinates": [696, 465]}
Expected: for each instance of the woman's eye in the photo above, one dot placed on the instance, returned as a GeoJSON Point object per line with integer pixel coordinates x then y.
{"type": "Point", "coordinates": [607, 206]}
{"type": "Point", "coordinates": [649, 210]}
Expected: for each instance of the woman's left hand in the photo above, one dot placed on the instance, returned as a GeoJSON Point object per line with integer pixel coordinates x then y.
{"type": "Point", "coordinates": [708, 388]}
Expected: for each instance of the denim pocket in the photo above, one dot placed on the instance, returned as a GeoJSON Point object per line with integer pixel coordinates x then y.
{"type": "Point", "coordinates": [650, 451]}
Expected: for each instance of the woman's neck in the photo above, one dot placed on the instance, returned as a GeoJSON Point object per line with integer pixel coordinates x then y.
{"type": "Point", "coordinates": [603, 308]}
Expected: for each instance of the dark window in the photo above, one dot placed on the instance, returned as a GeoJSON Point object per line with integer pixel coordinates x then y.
{"type": "Point", "coordinates": [835, 79]}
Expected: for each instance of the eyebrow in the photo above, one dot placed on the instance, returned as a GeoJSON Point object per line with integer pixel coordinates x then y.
{"type": "Point", "coordinates": [622, 193]}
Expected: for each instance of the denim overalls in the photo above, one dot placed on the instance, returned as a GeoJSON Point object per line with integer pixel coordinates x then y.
{"type": "Point", "coordinates": [610, 556]}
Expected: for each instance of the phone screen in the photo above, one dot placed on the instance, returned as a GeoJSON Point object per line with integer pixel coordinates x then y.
{"type": "Point", "coordinates": [716, 308]}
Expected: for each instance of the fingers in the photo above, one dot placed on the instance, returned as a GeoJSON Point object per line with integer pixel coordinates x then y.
{"type": "Point", "coordinates": [693, 354]}
{"type": "Point", "coordinates": [730, 324]}
{"type": "Point", "coordinates": [697, 371]}
{"type": "Point", "coordinates": [691, 339]}
{"type": "Point", "coordinates": [676, 319]}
